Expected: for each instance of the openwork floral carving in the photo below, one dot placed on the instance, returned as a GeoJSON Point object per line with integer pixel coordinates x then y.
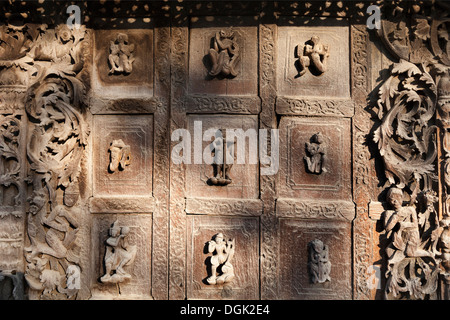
{"type": "Point", "coordinates": [58, 136]}
{"type": "Point", "coordinates": [406, 136]}
{"type": "Point", "coordinates": [407, 141]}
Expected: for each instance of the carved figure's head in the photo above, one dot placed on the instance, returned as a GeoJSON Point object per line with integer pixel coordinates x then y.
{"type": "Point", "coordinates": [317, 245]}
{"type": "Point", "coordinates": [115, 230]}
{"type": "Point", "coordinates": [395, 197]}
{"type": "Point", "coordinates": [122, 38]}
{"type": "Point", "coordinates": [315, 40]}
{"type": "Point", "coordinates": [37, 202]}
{"type": "Point", "coordinates": [317, 138]}
{"type": "Point", "coordinates": [218, 238]}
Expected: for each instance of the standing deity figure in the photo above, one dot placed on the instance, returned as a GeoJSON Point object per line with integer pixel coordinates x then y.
{"type": "Point", "coordinates": [319, 264]}
{"type": "Point", "coordinates": [313, 54]}
{"type": "Point", "coordinates": [121, 55]}
{"type": "Point", "coordinates": [223, 251]}
{"type": "Point", "coordinates": [224, 54]}
{"type": "Point", "coordinates": [223, 151]}
{"type": "Point", "coordinates": [118, 255]}
{"type": "Point", "coordinates": [315, 154]}
{"type": "Point", "coordinates": [120, 155]}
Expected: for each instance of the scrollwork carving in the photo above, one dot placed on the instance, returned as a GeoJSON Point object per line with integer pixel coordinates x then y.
{"type": "Point", "coordinates": [407, 140]}
{"type": "Point", "coordinates": [406, 137]}
{"type": "Point", "coordinates": [55, 107]}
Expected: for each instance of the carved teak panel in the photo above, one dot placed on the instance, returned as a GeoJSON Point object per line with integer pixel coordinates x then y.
{"type": "Point", "coordinates": [224, 150]}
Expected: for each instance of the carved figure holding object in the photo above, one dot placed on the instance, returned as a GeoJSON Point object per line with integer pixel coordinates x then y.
{"type": "Point", "coordinates": [223, 251]}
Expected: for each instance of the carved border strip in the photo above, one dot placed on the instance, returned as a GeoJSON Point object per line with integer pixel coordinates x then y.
{"type": "Point", "coordinates": [121, 205]}
{"type": "Point", "coordinates": [224, 207]}
{"type": "Point", "coordinates": [177, 230]}
{"type": "Point", "coordinates": [128, 106]}
{"type": "Point", "coordinates": [160, 233]}
{"type": "Point", "coordinates": [315, 107]}
{"type": "Point", "coordinates": [319, 209]}
{"type": "Point", "coordinates": [362, 225]}
{"type": "Point", "coordinates": [222, 104]}
{"type": "Point", "coordinates": [269, 238]}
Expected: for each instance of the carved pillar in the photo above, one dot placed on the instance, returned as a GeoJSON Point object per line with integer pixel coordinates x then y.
{"type": "Point", "coordinates": [14, 72]}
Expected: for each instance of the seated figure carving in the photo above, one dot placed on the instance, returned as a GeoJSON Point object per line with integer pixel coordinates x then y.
{"type": "Point", "coordinates": [313, 55]}
{"type": "Point", "coordinates": [121, 56]}
{"type": "Point", "coordinates": [224, 54]}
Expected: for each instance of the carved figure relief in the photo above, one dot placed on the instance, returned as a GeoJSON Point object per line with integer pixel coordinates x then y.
{"type": "Point", "coordinates": [120, 156]}
{"type": "Point", "coordinates": [9, 152]}
{"type": "Point", "coordinates": [222, 153]}
{"type": "Point", "coordinates": [224, 54]}
{"type": "Point", "coordinates": [319, 265]}
{"type": "Point", "coordinates": [121, 55]}
{"type": "Point", "coordinates": [312, 55]}
{"type": "Point", "coordinates": [119, 254]}
{"type": "Point", "coordinates": [221, 269]}
{"type": "Point", "coordinates": [412, 269]}
{"type": "Point", "coordinates": [315, 154]}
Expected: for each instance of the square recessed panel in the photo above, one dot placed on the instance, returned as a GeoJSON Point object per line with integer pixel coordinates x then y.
{"type": "Point", "coordinates": [140, 237]}
{"type": "Point", "coordinates": [136, 132]}
{"type": "Point", "coordinates": [202, 33]}
{"type": "Point", "coordinates": [245, 261]}
{"type": "Point", "coordinates": [295, 277]}
{"type": "Point", "coordinates": [295, 179]}
{"type": "Point", "coordinates": [244, 184]}
{"type": "Point", "coordinates": [335, 81]}
{"type": "Point", "coordinates": [138, 82]}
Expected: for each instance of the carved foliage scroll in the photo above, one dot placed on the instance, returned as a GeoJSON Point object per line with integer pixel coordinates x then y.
{"type": "Point", "coordinates": [406, 136]}
{"type": "Point", "coordinates": [58, 137]}
{"type": "Point", "coordinates": [407, 141]}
